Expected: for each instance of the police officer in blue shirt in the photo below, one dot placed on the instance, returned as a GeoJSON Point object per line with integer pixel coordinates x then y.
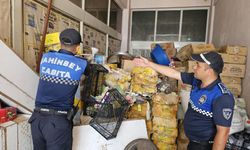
{"type": "Point", "coordinates": [210, 109]}
{"type": "Point", "coordinates": [60, 73]}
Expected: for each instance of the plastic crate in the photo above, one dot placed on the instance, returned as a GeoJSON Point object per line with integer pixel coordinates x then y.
{"type": "Point", "coordinates": [94, 81]}
{"type": "Point", "coordinates": [238, 141]}
{"type": "Point", "coordinates": [234, 147]}
{"type": "Point", "coordinates": [92, 86]}
{"type": "Point", "coordinates": [110, 114]}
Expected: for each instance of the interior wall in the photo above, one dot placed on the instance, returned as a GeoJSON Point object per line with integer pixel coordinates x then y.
{"type": "Point", "coordinates": [231, 26]}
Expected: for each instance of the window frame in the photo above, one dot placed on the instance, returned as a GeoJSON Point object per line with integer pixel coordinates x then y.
{"type": "Point", "coordinates": [179, 43]}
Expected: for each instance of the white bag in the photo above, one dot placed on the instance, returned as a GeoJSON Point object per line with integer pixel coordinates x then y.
{"type": "Point", "coordinates": [238, 123]}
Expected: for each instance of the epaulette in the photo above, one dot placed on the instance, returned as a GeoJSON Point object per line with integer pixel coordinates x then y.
{"type": "Point", "coordinates": [52, 51]}
{"type": "Point", "coordinates": [223, 88]}
{"type": "Point", "coordinates": [79, 56]}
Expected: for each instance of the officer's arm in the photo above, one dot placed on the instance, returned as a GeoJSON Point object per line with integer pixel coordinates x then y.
{"type": "Point", "coordinates": [167, 71]}
{"type": "Point", "coordinates": [220, 137]}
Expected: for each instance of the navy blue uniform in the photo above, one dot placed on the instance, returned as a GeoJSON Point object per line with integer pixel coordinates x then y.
{"type": "Point", "coordinates": [60, 73]}
{"type": "Point", "coordinates": [208, 107]}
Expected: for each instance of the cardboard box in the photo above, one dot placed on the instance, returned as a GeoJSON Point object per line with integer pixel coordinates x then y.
{"type": "Point", "coordinates": [163, 45]}
{"type": "Point", "coordinates": [127, 65]}
{"type": "Point", "coordinates": [184, 53]}
{"type": "Point", "coordinates": [230, 80]}
{"type": "Point", "coordinates": [191, 65]}
{"type": "Point", "coordinates": [200, 48]}
{"type": "Point", "coordinates": [7, 114]}
{"type": "Point", "coordinates": [235, 50]}
{"type": "Point", "coordinates": [234, 88]}
{"type": "Point", "coordinates": [234, 70]}
{"type": "Point", "coordinates": [233, 59]}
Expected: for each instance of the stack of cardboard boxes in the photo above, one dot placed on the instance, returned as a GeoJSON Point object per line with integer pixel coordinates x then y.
{"type": "Point", "coordinates": [234, 58]}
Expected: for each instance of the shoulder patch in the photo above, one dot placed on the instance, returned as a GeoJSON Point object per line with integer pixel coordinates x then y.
{"type": "Point", "coordinates": [223, 89]}
{"type": "Point", "coordinates": [227, 113]}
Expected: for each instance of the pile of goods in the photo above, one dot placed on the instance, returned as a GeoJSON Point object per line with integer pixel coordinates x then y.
{"type": "Point", "coordinates": [144, 80]}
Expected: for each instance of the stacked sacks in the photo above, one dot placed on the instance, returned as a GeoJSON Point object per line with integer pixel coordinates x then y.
{"type": "Point", "coordinates": [164, 109]}
{"type": "Point", "coordinates": [141, 110]}
{"type": "Point", "coordinates": [144, 80]}
{"type": "Point", "coordinates": [118, 79]}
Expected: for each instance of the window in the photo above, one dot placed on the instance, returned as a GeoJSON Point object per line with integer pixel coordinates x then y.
{"type": "Point", "coordinates": [194, 25]}
{"type": "Point", "coordinates": [171, 25]}
{"type": "Point", "coordinates": [97, 8]}
{"type": "Point", "coordinates": [168, 26]}
{"type": "Point", "coordinates": [143, 25]}
{"type": "Point", "coordinates": [115, 16]}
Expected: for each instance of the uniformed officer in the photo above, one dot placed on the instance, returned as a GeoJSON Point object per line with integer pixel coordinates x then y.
{"type": "Point", "coordinates": [60, 73]}
{"type": "Point", "coordinates": [210, 109]}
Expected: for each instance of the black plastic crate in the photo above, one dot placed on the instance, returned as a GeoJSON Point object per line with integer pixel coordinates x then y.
{"type": "Point", "coordinates": [110, 114]}
{"type": "Point", "coordinates": [238, 141]}
{"type": "Point", "coordinates": [235, 147]}
{"type": "Point", "coordinates": [94, 81]}
{"type": "Point", "coordinates": [92, 86]}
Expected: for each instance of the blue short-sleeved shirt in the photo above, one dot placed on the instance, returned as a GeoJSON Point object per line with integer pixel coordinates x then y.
{"type": "Point", "coordinates": [60, 73]}
{"type": "Point", "coordinates": [208, 107]}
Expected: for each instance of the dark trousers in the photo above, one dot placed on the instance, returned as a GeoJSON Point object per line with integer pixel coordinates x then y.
{"type": "Point", "coordinates": [199, 146]}
{"type": "Point", "coordinates": [51, 132]}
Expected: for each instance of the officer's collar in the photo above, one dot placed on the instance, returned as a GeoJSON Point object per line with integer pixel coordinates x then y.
{"type": "Point", "coordinates": [211, 85]}
{"type": "Point", "coordinates": [65, 52]}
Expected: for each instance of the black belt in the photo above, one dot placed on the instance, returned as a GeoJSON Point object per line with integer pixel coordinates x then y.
{"type": "Point", "coordinates": [203, 142]}
{"type": "Point", "coordinates": [50, 111]}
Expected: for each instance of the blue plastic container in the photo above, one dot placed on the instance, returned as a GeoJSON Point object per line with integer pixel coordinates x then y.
{"type": "Point", "coordinates": [159, 56]}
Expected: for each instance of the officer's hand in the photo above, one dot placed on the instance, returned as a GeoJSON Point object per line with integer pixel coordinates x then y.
{"type": "Point", "coordinates": [143, 62]}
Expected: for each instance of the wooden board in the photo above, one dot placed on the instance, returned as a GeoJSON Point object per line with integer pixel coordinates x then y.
{"type": "Point", "coordinates": [5, 19]}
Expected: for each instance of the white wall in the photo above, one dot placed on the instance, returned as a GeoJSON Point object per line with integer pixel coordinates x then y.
{"type": "Point", "coordinates": [231, 26]}
{"type": "Point", "coordinates": [125, 28]}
